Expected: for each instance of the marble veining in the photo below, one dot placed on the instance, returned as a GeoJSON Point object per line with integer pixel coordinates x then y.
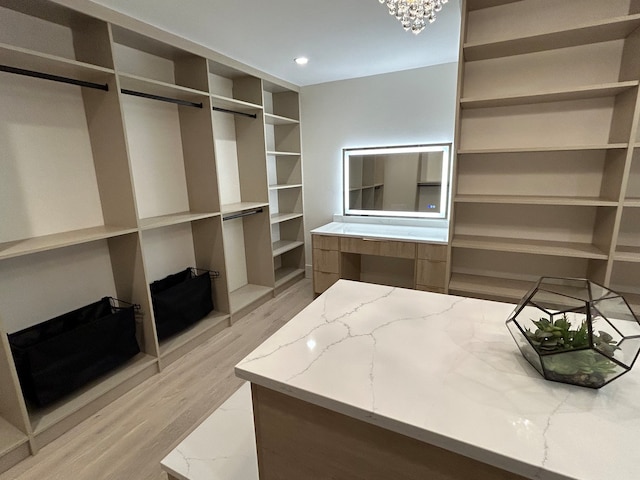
{"type": "Point", "coordinates": [444, 369]}
{"type": "Point", "coordinates": [222, 447]}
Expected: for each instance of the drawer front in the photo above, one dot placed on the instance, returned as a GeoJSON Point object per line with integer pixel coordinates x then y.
{"type": "Point", "coordinates": [322, 281]}
{"type": "Point", "coordinates": [383, 248]}
{"type": "Point", "coordinates": [429, 251]}
{"type": "Point", "coordinates": [325, 242]}
{"type": "Point", "coordinates": [430, 273]}
{"type": "Point", "coordinates": [327, 261]}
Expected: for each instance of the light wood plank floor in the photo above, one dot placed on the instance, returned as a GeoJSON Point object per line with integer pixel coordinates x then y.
{"type": "Point", "coordinates": [127, 439]}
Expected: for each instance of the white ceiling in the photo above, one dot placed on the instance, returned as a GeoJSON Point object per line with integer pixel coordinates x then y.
{"type": "Point", "coordinates": [342, 38]}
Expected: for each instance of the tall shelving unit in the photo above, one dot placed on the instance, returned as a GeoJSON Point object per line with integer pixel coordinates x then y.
{"type": "Point", "coordinates": [145, 159]}
{"type": "Point", "coordinates": [547, 126]}
{"type": "Point", "coordinates": [241, 164]}
{"type": "Point", "coordinates": [284, 164]}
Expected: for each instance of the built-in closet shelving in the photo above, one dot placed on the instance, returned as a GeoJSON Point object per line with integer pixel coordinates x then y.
{"type": "Point", "coordinates": [284, 173]}
{"type": "Point", "coordinates": [547, 181]}
{"type": "Point", "coordinates": [143, 160]}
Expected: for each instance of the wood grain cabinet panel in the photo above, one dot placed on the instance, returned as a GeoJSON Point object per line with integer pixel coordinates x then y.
{"type": "Point", "coordinates": [429, 251]}
{"type": "Point", "coordinates": [383, 248]}
{"type": "Point", "coordinates": [326, 242]}
{"type": "Point", "coordinates": [431, 273]}
{"type": "Point", "coordinates": [322, 281]}
{"type": "Point", "coordinates": [327, 261]}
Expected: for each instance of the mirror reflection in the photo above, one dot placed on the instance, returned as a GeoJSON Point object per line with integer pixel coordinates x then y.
{"type": "Point", "coordinates": [407, 181]}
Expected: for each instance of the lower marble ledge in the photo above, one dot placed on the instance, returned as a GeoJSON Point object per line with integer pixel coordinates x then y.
{"type": "Point", "coordinates": [223, 447]}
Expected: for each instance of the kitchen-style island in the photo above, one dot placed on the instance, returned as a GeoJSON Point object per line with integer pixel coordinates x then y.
{"type": "Point", "coordinates": [374, 382]}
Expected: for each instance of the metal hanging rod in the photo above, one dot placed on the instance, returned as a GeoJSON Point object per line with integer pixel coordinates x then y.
{"type": "Point", "coordinates": [234, 112]}
{"type": "Point", "coordinates": [54, 78]}
{"type": "Point", "coordinates": [242, 214]}
{"type": "Point", "coordinates": [177, 101]}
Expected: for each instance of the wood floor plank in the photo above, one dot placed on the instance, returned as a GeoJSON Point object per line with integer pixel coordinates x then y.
{"type": "Point", "coordinates": [127, 439]}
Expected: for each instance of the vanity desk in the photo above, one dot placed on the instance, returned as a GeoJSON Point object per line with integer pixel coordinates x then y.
{"type": "Point", "coordinates": [404, 256]}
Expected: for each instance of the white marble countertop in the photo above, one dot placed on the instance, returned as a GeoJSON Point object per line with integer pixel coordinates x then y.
{"type": "Point", "coordinates": [445, 370]}
{"type": "Point", "coordinates": [385, 232]}
{"type": "Point", "coordinates": [223, 447]}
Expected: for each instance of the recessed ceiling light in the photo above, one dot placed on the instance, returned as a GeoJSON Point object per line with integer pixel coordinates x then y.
{"type": "Point", "coordinates": [301, 60]}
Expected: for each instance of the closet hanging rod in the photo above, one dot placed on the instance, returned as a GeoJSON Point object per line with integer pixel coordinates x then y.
{"type": "Point", "coordinates": [234, 112]}
{"type": "Point", "coordinates": [177, 101]}
{"type": "Point", "coordinates": [54, 78]}
{"type": "Point", "coordinates": [243, 214]}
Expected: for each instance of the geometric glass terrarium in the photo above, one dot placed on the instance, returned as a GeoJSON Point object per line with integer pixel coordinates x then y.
{"type": "Point", "coordinates": [576, 331]}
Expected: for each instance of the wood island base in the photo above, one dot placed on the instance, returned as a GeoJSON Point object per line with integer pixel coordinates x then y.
{"type": "Point", "coordinates": [299, 440]}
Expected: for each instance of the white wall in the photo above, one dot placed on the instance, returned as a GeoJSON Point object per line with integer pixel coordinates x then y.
{"type": "Point", "coordinates": [401, 108]}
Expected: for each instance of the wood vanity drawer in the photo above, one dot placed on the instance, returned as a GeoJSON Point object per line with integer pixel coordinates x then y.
{"type": "Point", "coordinates": [325, 242]}
{"type": "Point", "coordinates": [327, 261]}
{"type": "Point", "coordinates": [430, 251]}
{"type": "Point", "coordinates": [383, 248]}
{"type": "Point", "coordinates": [430, 273]}
{"type": "Point", "coordinates": [322, 281]}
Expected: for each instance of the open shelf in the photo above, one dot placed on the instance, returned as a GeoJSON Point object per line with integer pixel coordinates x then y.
{"type": "Point", "coordinates": [59, 240]}
{"type": "Point", "coordinates": [246, 295]}
{"type": "Point", "coordinates": [271, 119]}
{"type": "Point", "coordinates": [284, 186]}
{"type": "Point", "coordinates": [591, 91]}
{"type": "Point", "coordinates": [199, 332]}
{"type": "Point", "coordinates": [42, 62]}
{"type": "Point", "coordinates": [535, 200]}
{"type": "Point", "coordinates": [233, 104]}
{"type": "Point", "coordinates": [602, 31]}
{"type": "Point", "coordinates": [276, 153]}
{"type": "Point", "coordinates": [156, 87]}
{"type": "Point", "coordinates": [539, 247]}
{"type": "Point", "coordinates": [172, 219]}
{"type": "Point", "coordinates": [283, 217]}
{"type": "Point", "coordinates": [46, 418]}
{"type": "Point", "coordinates": [283, 246]}
{"type": "Point", "coordinates": [241, 206]}
{"type": "Point", "coordinates": [627, 254]}
{"type": "Point", "coordinates": [10, 437]}
{"type": "Point", "coordinates": [286, 274]}
{"type": "Point", "coordinates": [532, 149]}
{"type": "Point", "coordinates": [493, 287]}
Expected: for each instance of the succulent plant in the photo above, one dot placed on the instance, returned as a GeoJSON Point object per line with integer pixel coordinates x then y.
{"type": "Point", "coordinates": [556, 339]}
{"type": "Point", "coordinates": [558, 336]}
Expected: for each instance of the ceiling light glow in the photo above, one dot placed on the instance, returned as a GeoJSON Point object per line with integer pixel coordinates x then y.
{"type": "Point", "coordinates": [301, 60]}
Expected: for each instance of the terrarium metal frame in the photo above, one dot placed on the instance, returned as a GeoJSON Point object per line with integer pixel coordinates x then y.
{"type": "Point", "coordinates": [575, 331]}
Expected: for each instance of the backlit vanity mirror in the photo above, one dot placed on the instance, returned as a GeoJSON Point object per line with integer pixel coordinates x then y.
{"type": "Point", "coordinates": [404, 181]}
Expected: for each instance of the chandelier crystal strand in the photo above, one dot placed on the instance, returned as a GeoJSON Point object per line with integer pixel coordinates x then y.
{"type": "Point", "coordinates": [414, 14]}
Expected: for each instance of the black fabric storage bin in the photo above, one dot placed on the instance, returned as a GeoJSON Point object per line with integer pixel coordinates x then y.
{"type": "Point", "coordinates": [180, 300]}
{"type": "Point", "coordinates": [60, 355]}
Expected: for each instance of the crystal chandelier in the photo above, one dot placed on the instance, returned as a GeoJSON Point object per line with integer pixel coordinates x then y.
{"type": "Point", "coordinates": [413, 14]}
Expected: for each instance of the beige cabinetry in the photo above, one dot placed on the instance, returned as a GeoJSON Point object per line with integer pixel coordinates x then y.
{"type": "Point", "coordinates": [391, 262]}
{"type": "Point", "coordinates": [284, 172]}
{"type": "Point", "coordinates": [326, 261]}
{"type": "Point", "coordinates": [546, 170]}
{"type": "Point", "coordinates": [145, 155]}
{"type": "Point", "coordinates": [431, 267]}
